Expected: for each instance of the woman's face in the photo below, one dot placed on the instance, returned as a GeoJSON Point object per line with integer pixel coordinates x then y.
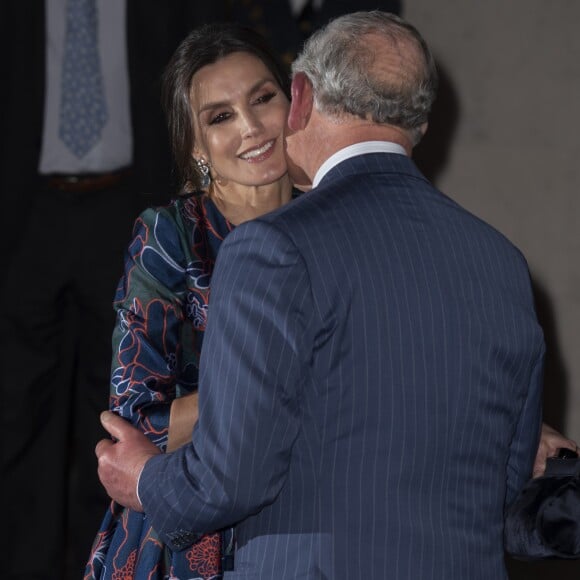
{"type": "Point", "coordinates": [239, 114]}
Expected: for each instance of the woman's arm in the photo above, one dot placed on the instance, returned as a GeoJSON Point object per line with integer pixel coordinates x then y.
{"type": "Point", "coordinates": [147, 347]}
{"type": "Point", "coordinates": [182, 418]}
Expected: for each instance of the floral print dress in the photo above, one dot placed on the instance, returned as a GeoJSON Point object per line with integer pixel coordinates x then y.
{"type": "Point", "coordinates": [161, 306]}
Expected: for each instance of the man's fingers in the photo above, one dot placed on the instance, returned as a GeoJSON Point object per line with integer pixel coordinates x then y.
{"type": "Point", "coordinates": [102, 446]}
{"type": "Point", "coordinates": [115, 425]}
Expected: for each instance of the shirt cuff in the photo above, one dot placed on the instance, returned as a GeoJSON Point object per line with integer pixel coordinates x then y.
{"type": "Point", "coordinates": [137, 486]}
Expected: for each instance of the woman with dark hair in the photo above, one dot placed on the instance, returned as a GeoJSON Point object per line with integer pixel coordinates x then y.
{"type": "Point", "coordinates": [226, 100]}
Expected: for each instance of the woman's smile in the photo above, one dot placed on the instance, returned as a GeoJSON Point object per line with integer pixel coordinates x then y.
{"type": "Point", "coordinates": [258, 154]}
{"type": "Point", "coordinates": [239, 113]}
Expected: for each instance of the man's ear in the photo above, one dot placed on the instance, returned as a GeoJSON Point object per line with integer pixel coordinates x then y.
{"type": "Point", "coordinates": [302, 102]}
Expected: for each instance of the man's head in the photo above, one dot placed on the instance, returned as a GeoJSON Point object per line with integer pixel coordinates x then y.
{"type": "Point", "coordinates": [370, 72]}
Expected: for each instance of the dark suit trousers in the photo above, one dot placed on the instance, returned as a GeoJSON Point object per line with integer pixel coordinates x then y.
{"type": "Point", "coordinates": [56, 324]}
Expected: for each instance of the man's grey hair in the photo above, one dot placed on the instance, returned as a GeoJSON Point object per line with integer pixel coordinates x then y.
{"type": "Point", "coordinates": [341, 66]}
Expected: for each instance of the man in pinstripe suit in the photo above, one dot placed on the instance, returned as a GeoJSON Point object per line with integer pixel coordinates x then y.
{"type": "Point", "coordinates": [371, 376]}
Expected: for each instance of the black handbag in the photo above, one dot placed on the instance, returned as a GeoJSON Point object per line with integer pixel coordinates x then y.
{"type": "Point", "coordinates": [544, 521]}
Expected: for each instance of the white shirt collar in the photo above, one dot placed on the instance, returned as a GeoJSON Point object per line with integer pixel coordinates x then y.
{"type": "Point", "coordinates": [353, 151]}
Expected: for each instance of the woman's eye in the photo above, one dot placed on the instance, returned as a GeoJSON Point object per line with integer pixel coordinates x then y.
{"type": "Point", "coordinates": [265, 98]}
{"type": "Point", "coordinates": [219, 118]}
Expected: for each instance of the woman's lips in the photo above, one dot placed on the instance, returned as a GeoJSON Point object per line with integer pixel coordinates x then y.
{"type": "Point", "coordinates": [259, 153]}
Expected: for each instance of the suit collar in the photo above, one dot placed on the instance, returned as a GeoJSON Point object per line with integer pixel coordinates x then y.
{"type": "Point", "coordinates": [367, 163]}
{"type": "Point", "coordinates": [354, 150]}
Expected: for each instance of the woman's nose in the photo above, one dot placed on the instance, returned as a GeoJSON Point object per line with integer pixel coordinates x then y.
{"type": "Point", "coordinates": [251, 125]}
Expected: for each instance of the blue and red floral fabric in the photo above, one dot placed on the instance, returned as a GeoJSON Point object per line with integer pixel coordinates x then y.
{"type": "Point", "coordinates": [161, 306]}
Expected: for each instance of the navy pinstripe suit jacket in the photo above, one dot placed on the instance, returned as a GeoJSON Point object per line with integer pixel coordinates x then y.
{"type": "Point", "coordinates": [369, 390]}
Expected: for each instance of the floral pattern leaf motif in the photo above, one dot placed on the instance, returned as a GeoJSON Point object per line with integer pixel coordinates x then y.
{"type": "Point", "coordinates": [146, 370]}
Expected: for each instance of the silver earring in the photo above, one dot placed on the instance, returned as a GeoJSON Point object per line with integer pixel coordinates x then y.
{"type": "Point", "coordinates": [204, 171]}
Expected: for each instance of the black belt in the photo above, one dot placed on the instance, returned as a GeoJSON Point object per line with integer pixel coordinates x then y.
{"type": "Point", "coordinates": [86, 182]}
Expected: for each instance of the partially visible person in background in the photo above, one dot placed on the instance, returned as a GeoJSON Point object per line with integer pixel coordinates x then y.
{"type": "Point", "coordinates": [227, 100]}
{"type": "Point", "coordinates": [69, 200]}
{"type": "Point", "coordinates": [287, 25]}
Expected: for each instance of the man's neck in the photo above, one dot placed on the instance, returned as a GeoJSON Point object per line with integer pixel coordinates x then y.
{"type": "Point", "coordinates": [371, 132]}
{"type": "Point", "coordinates": [330, 137]}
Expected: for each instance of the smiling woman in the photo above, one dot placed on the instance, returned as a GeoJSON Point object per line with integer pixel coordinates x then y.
{"type": "Point", "coordinates": [239, 115]}
{"type": "Point", "coordinates": [226, 101]}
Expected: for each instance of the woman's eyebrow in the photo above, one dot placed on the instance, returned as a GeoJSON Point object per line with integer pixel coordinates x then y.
{"type": "Point", "coordinates": [216, 104]}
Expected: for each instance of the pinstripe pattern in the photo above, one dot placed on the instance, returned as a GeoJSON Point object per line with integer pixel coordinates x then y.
{"type": "Point", "coordinates": [369, 390]}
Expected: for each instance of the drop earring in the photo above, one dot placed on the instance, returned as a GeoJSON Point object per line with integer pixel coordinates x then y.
{"type": "Point", "coordinates": [205, 177]}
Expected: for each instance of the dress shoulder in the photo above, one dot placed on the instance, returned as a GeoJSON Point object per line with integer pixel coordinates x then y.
{"type": "Point", "coordinates": [162, 244]}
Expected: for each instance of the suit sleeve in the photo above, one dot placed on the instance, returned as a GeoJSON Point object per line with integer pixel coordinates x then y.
{"type": "Point", "coordinates": [252, 369]}
{"type": "Point", "coordinates": [525, 442]}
